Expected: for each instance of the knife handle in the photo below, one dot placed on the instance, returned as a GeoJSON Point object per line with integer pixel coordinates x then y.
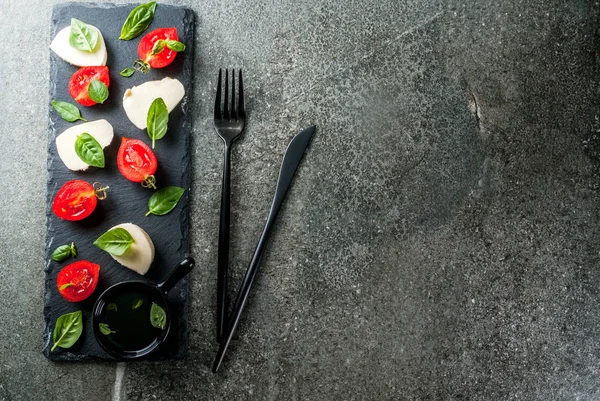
{"type": "Point", "coordinates": [240, 302]}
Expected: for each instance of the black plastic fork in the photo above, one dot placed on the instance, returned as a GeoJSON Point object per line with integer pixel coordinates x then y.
{"type": "Point", "coordinates": [229, 124]}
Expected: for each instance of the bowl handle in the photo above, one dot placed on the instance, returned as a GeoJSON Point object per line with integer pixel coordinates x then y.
{"type": "Point", "coordinates": [180, 271]}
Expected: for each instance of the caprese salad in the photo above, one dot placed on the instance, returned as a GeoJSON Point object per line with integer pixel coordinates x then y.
{"type": "Point", "coordinates": [82, 146]}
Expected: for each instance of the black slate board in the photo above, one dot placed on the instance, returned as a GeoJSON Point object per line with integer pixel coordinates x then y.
{"type": "Point", "coordinates": [127, 201]}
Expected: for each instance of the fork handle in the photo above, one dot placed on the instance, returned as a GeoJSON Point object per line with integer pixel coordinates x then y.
{"type": "Point", "coordinates": [223, 258]}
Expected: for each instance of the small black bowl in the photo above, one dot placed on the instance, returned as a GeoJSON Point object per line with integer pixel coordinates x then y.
{"type": "Point", "coordinates": [152, 294]}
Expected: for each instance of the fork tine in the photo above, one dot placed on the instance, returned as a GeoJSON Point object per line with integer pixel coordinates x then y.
{"type": "Point", "coordinates": [241, 101]}
{"type": "Point", "coordinates": [226, 104]}
{"type": "Point", "coordinates": [218, 98]}
{"type": "Point", "coordinates": [233, 110]}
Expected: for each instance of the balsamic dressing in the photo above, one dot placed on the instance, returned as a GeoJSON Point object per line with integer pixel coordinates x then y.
{"type": "Point", "coordinates": [128, 318]}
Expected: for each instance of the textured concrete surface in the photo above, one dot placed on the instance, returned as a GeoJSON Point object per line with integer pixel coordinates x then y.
{"type": "Point", "coordinates": [439, 241]}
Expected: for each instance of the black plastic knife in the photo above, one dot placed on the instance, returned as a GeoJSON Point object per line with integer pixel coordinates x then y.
{"type": "Point", "coordinates": [289, 165]}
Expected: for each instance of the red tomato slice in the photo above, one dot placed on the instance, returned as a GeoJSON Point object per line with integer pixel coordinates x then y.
{"type": "Point", "coordinates": [136, 161]}
{"type": "Point", "coordinates": [78, 85]}
{"type": "Point", "coordinates": [78, 280]}
{"type": "Point", "coordinates": [165, 57]}
{"type": "Point", "coordinates": [76, 200]}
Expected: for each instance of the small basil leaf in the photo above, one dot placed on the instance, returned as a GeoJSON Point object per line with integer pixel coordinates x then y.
{"type": "Point", "coordinates": [65, 286]}
{"type": "Point", "coordinates": [164, 200]}
{"type": "Point", "coordinates": [105, 329]}
{"type": "Point", "coordinates": [89, 150]}
{"type": "Point", "coordinates": [83, 36]}
{"type": "Point", "coordinates": [158, 317]}
{"type": "Point", "coordinates": [112, 307]}
{"type": "Point", "coordinates": [63, 252]}
{"type": "Point", "coordinates": [157, 120]}
{"type": "Point", "coordinates": [158, 47]}
{"type": "Point", "coordinates": [138, 21]}
{"type": "Point", "coordinates": [175, 45]}
{"type": "Point", "coordinates": [67, 111]}
{"type": "Point", "coordinates": [97, 91]}
{"type": "Point", "coordinates": [116, 241]}
{"type": "Point", "coordinates": [127, 72]}
{"type": "Point", "coordinates": [137, 304]}
{"type": "Point", "coordinates": [67, 330]}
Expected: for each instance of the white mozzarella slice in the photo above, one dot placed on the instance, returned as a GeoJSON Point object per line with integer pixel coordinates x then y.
{"type": "Point", "coordinates": [138, 99]}
{"type": "Point", "coordinates": [140, 255]}
{"type": "Point", "coordinates": [102, 132]}
{"type": "Point", "coordinates": [63, 49]}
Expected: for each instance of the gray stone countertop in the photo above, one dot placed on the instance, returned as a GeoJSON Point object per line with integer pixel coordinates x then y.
{"type": "Point", "coordinates": [440, 241]}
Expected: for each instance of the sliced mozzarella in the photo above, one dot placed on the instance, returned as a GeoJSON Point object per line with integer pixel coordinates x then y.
{"type": "Point", "coordinates": [63, 49]}
{"type": "Point", "coordinates": [101, 130]}
{"type": "Point", "coordinates": [141, 254]}
{"type": "Point", "coordinates": [138, 99]}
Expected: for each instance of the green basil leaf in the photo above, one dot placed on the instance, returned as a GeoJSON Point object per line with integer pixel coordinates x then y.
{"type": "Point", "coordinates": [158, 47]}
{"type": "Point", "coordinates": [127, 72]}
{"type": "Point", "coordinates": [158, 317]}
{"type": "Point", "coordinates": [164, 200]}
{"type": "Point", "coordinates": [116, 241]}
{"type": "Point", "coordinates": [158, 117]}
{"type": "Point", "coordinates": [112, 306]}
{"type": "Point", "coordinates": [175, 45]}
{"type": "Point", "coordinates": [97, 91]}
{"type": "Point", "coordinates": [65, 286]}
{"type": "Point", "coordinates": [67, 330]}
{"type": "Point", "coordinates": [137, 304]}
{"type": "Point", "coordinates": [138, 21]}
{"type": "Point", "coordinates": [67, 111]}
{"type": "Point", "coordinates": [83, 36]}
{"type": "Point", "coordinates": [63, 252]}
{"type": "Point", "coordinates": [105, 329]}
{"type": "Point", "coordinates": [89, 150]}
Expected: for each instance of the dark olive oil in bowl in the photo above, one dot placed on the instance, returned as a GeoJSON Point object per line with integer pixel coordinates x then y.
{"type": "Point", "coordinates": [128, 319]}
{"type": "Point", "coordinates": [131, 319]}
{"type": "Point", "coordinates": [125, 316]}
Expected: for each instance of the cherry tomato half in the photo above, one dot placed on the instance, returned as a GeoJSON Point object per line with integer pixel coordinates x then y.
{"type": "Point", "coordinates": [78, 85]}
{"type": "Point", "coordinates": [137, 162]}
{"type": "Point", "coordinates": [165, 57]}
{"type": "Point", "coordinates": [78, 280]}
{"type": "Point", "coordinates": [76, 200]}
